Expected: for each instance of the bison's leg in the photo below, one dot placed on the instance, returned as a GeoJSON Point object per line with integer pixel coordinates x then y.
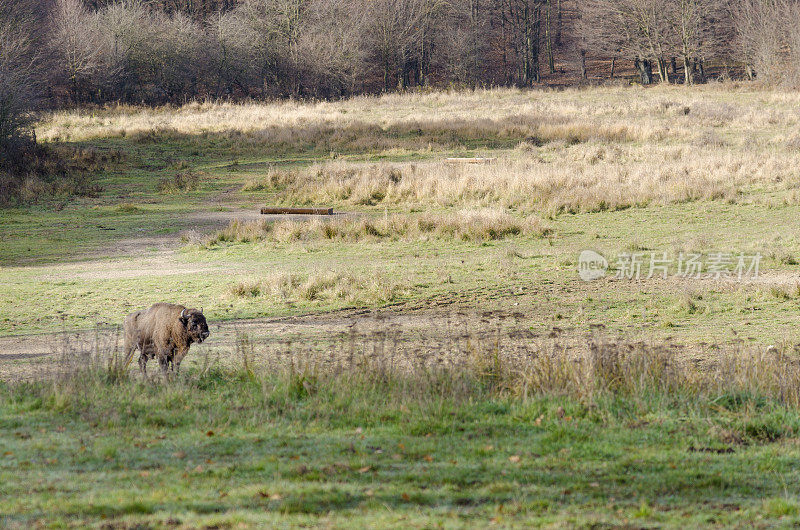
{"type": "Point", "coordinates": [128, 351]}
{"type": "Point", "coordinates": [163, 360]}
{"type": "Point", "coordinates": [143, 364]}
{"type": "Point", "coordinates": [146, 350]}
{"type": "Point", "coordinates": [179, 355]}
{"type": "Point", "coordinates": [171, 359]}
{"type": "Point", "coordinates": [161, 349]}
{"type": "Point", "coordinates": [132, 336]}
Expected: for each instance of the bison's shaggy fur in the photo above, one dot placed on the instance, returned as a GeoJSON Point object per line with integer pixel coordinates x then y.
{"type": "Point", "coordinates": [163, 332]}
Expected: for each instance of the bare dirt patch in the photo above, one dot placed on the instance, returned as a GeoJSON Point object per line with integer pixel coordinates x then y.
{"type": "Point", "coordinates": [428, 332]}
{"type": "Point", "coordinates": [192, 226]}
{"type": "Point", "coordinates": [161, 265]}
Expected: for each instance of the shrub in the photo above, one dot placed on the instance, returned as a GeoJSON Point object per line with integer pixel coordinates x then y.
{"type": "Point", "coordinates": [180, 182]}
{"type": "Point", "coordinates": [34, 172]}
{"type": "Point", "coordinates": [328, 285]}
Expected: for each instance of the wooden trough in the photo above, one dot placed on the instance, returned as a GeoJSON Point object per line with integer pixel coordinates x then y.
{"type": "Point", "coordinates": [296, 211]}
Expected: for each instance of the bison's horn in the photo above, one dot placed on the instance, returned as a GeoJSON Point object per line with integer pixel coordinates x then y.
{"type": "Point", "coordinates": [182, 313]}
{"type": "Point", "coordinates": [201, 309]}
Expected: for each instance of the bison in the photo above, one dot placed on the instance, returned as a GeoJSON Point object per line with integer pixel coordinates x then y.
{"type": "Point", "coordinates": [164, 332]}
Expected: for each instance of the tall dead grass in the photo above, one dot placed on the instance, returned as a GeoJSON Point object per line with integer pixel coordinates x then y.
{"type": "Point", "coordinates": [467, 225]}
{"type": "Point", "coordinates": [591, 177]}
{"type": "Point", "coordinates": [577, 150]}
{"type": "Point", "coordinates": [31, 172]}
{"type": "Point", "coordinates": [469, 356]}
{"type": "Point", "coordinates": [436, 118]}
{"type": "Point", "coordinates": [181, 181]}
{"type": "Point", "coordinates": [488, 356]}
{"type": "Point", "coordinates": [326, 285]}
{"type": "Point", "coordinates": [606, 113]}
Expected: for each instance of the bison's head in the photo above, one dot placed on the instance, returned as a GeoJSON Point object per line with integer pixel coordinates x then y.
{"type": "Point", "coordinates": [195, 324]}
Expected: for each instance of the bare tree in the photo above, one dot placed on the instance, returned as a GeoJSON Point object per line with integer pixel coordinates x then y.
{"type": "Point", "coordinates": [21, 65]}
{"type": "Point", "coordinates": [124, 30]}
{"type": "Point", "coordinates": [524, 19]}
{"type": "Point", "coordinates": [792, 31]}
{"type": "Point", "coordinates": [590, 32]}
{"type": "Point", "coordinates": [696, 26]}
{"type": "Point", "coordinates": [289, 24]}
{"type": "Point", "coordinates": [234, 61]}
{"type": "Point", "coordinates": [177, 56]}
{"type": "Point", "coordinates": [761, 38]}
{"type": "Point", "coordinates": [247, 33]}
{"type": "Point", "coordinates": [276, 27]}
{"type": "Point", "coordinates": [636, 28]}
{"type": "Point", "coordinates": [400, 36]}
{"type": "Point", "coordinates": [158, 50]}
{"type": "Point", "coordinates": [465, 45]}
{"type": "Point", "coordinates": [647, 23]}
{"type": "Point", "coordinates": [75, 44]}
{"type": "Point", "coordinates": [549, 30]}
{"type": "Point", "coordinates": [611, 28]}
{"type": "Point", "coordinates": [331, 50]}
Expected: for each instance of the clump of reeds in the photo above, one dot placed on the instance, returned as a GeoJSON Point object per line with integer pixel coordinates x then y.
{"type": "Point", "coordinates": [325, 285]}
{"type": "Point", "coordinates": [476, 226]}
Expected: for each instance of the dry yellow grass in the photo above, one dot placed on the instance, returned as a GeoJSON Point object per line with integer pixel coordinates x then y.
{"type": "Point", "coordinates": [473, 225]}
{"type": "Point", "coordinates": [586, 177]}
{"type": "Point", "coordinates": [643, 114]}
{"type": "Point", "coordinates": [324, 285]}
{"type": "Point", "coordinates": [577, 150]}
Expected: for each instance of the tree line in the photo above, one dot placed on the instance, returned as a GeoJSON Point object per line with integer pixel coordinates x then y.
{"type": "Point", "coordinates": [169, 51]}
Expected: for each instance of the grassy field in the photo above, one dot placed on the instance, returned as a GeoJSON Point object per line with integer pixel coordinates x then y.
{"type": "Point", "coordinates": [616, 170]}
{"type": "Point", "coordinates": [625, 440]}
{"type": "Point", "coordinates": [423, 247]}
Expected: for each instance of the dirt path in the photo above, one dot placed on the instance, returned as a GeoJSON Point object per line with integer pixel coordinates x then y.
{"type": "Point", "coordinates": [435, 315]}
{"type": "Point", "coordinates": [155, 254]}
{"type": "Point", "coordinates": [428, 331]}
{"type": "Point", "coordinates": [193, 226]}
{"type": "Point", "coordinates": [224, 333]}
{"type": "Point", "coordinates": [437, 332]}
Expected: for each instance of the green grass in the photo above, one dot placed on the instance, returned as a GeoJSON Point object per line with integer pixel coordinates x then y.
{"type": "Point", "coordinates": [53, 234]}
{"type": "Point", "coordinates": [43, 246]}
{"type": "Point", "coordinates": [500, 273]}
{"type": "Point", "coordinates": [231, 449]}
